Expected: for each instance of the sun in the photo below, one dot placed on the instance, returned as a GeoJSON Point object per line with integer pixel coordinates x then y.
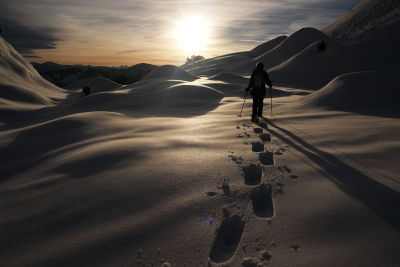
{"type": "Point", "coordinates": [192, 33]}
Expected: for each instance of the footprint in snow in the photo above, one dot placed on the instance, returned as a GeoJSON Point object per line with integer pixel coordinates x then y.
{"type": "Point", "coordinates": [252, 174]}
{"type": "Point", "coordinates": [227, 239]}
{"type": "Point", "coordinates": [257, 147]}
{"type": "Point", "coordinates": [258, 130]}
{"type": "Point", "coordinates": [266, 158]}
{"type": "Point", "coordinates": [261, 198]}
{"type": "Point", "coordinates": [265, 137]}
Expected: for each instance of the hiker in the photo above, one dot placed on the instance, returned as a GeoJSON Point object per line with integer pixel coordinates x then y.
{"type": "Point", "coordinates": [86, 90]}
{"type": "Point", "coordinates": [322, 46]}
{"type": "Point", "coordinates": [258, 79]}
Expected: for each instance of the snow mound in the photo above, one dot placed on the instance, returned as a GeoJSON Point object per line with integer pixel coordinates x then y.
{"type": "Point", "coordinates": [229, 78]}
{"type": "Point", "coordinates": [170, 72]}
{"type": "Point", "coordinates": [358, 90]}
{"type": "Point", "coordinates": [21, 86]}
{"type": "Point", "coordinates": [225, 63]}
{"type": "Point", "coordinates": [100, 84]}
{"type": "Point", "coordinates": [189, 95]}
{"type": "Point", "coordinates": [311, 69]}
{"type": "Point", "coordinates": [294, 44]}
{"type": "Point", "coordinates": [267, 46]}
{"type": "Point", "coordinates": [154, 97]}
{"type": "Point", "coordinates": [240, 63]}
{"type": "Point", "coordinates": [78, 84]}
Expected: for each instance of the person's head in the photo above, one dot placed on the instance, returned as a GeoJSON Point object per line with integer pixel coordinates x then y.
{"type": "Point", "coordinates": [260, 65]}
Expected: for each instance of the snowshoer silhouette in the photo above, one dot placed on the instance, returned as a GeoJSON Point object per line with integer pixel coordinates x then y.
{"type": "Point", "coordinates": [322, 46]}
{"type": "Point", "coordinates": [86, 90]}
{"type": "Point", "coordinates": [257, 82]}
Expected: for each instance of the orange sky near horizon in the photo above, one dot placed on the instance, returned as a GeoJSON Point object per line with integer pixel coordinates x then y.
{"type": "Point", "coordinates": [128, 32]}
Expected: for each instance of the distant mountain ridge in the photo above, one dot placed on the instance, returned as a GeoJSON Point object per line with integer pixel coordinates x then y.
{"type": "Point", "coordinates": [67, 75]}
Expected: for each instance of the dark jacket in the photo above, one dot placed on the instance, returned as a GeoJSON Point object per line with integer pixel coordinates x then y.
{"type": "Point", "coordinates": [266, 80]}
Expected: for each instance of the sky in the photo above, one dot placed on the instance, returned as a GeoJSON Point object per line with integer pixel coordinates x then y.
{"type": "Point", "coordinates": [128, 32]}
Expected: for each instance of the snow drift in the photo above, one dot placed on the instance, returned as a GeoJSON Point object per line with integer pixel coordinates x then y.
{"type": "Point", "coordinates": [312, 69]}
{"type": "Point", "coordinates": [294, 44]}
{"type": "Point", "coordinates": [271, 53]}
{"type": "Point", "coordinates": [240, 63]}
{"type": "Point", "coordinates": [167, 90]}
{"type": "Point", "coordinates": [132, 175]}
{"type": "Point", "coordinates": [373, 30]}
{"type": "Point", "coordinates": [267, 46]}
{"type": "Point", "coordinates": [101, 84]}
{"type": "Point", "coordinates": [370, 90]}
{"type": "Point", "coordinates": [170, 72]}
{"type": "Point", "coordinates": [365, 22]}
{"type": "Point", "coordinates": [213, 66]}
{"type": "Point", "coordinates": [229, 78]}
{"type": "Point", "coordinates": [152, 97]}
{"type": "Point", "coordinates": [21, 87]}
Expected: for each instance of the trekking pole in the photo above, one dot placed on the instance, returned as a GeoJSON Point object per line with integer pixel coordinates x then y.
{"type": "Point", "coordinates": [270, 93]}
{"type": "Point", "coordinates": [240, 115]}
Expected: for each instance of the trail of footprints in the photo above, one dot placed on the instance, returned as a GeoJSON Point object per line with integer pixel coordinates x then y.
{"type": "Point", "coordinates": [230, 231]}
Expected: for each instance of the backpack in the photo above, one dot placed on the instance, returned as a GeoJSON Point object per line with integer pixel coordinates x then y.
{"type": "Point", "coordinates": [258, 80]}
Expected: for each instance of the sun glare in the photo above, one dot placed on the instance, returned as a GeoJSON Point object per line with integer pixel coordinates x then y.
{"type": "Point", "coordinates": [192, 33]}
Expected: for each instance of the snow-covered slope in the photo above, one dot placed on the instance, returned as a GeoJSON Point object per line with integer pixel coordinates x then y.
{"type": "Point", "coordinates": [271, 53]}
{"type": "Point", "coordinates": [289, 47]}
{"type": "Point", "coordinates": [213, 66]}
{"type": "Point", "coordinates": [101, 84]}
{"type": "Point", "coordinates": [367, 90]}
{"type": "Point", "coordinates": [240, 63]}
{"type": "Point", "coordinates": [312, 69]}
{"type": "Point", "coordinates": [373, 29]}
{"type": "Point", "coordinates": [163, 170]}
{"type": "Point", "coordinates": [21, 87]}
{"type": "Point", "coordinates": [169, 72]}
{"type": "Point", "coordinates": [230, 78]}
{"type": "Point", "coordinates": [267, 46]}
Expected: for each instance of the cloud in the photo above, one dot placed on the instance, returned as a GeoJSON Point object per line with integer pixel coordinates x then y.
{"type": "Point", "coordinates": [26, 37]}
{"type": "Point", "coordinates": [103, 28]}
{"type": "Point", "coordinates": [128, 52]}
{"type": "Point", "coordinates": [275, 18]}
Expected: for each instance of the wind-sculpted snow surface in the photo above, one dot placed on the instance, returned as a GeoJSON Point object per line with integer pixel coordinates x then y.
{"type": "Point", "coordinates": [289, 47]}
{"type": "Point", "coordinates": [230, 78]}
{"type": "Point", "coordinates": [373, 30]}
{"type": "Point", "coordinates": [368, 90]}
{"type": "Point", "coordinates": [163, 172]}
{"type": "Point", "coordinates": [151, 97]}
{"type": "Point", "coordinates": [213, 66]}
{"type": "Point", "coordinates": [363, 22]}
{"type": "Point", "coordinates": [21, 87]}
{"type": "Point", "coordinates": [171, 73]}
{"type": "Point", "coordinates": [267, 46]}
{"type": "Point", "coordinates": [240, 63]}
{"type": "Point", "coordinates": [312, 69]}
{"type": "Point", "coordinates": [101, 84]}
{"type": "Point", "coordinates": [271, 53]}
